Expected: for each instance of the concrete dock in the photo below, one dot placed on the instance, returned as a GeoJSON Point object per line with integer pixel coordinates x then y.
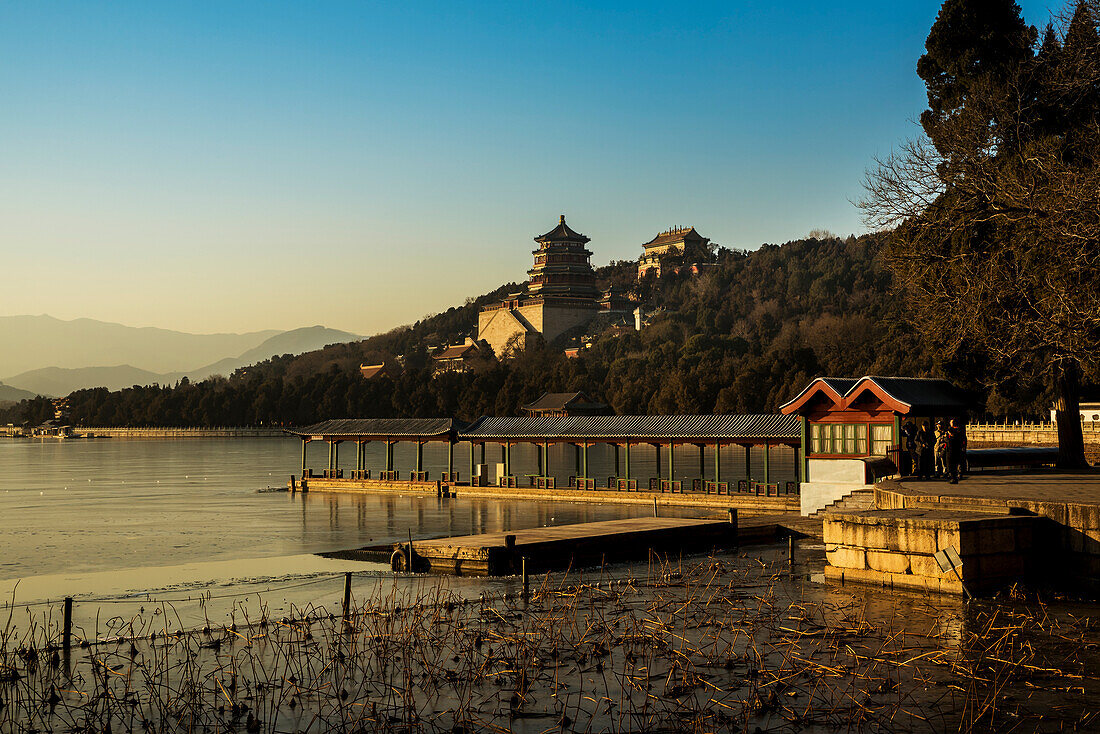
{"type": "Point", "coordinates": [563, 546]}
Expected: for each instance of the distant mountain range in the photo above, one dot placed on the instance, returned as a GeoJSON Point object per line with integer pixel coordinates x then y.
{"type": "Point", "coordinates": [58, 357]}
{"type": "Point", "coordinates": [9, 394]}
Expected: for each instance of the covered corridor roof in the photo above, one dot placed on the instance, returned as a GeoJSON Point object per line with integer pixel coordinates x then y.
{"type": "Point", "coordinates": [636, 427]}
{"type": "Point", "coordinates": [740, 427]}
{"type": "Point", "coordinates": [380, 428]}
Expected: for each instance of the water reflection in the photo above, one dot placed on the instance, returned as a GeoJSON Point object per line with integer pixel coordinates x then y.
{"type": "Point", "coordinates": [111, 504]}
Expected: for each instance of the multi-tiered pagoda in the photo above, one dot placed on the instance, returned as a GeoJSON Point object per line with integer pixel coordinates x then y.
{"type": "Point", "coordinates": [560, 295]}
{"type": "Point", "coordinates": [563, 269]}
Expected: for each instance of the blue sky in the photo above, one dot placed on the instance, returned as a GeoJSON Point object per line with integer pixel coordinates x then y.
{"type": "Point", "coordinates": [239, 166]}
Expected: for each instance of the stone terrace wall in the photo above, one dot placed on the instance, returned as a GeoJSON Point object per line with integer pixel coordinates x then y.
{"type": "Point", "coordinates": [995, 435]}
{"type": "Point", "coordinates": [106, 432]}
{"type": "Point", "coordinates": [896, 547]}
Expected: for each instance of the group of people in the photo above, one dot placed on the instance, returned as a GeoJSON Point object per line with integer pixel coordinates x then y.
{"type": "Point", "coordinates": [939, 453]}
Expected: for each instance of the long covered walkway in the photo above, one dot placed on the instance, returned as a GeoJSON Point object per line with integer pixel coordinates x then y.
{"type": "Point", "coordinates": [756, 453]}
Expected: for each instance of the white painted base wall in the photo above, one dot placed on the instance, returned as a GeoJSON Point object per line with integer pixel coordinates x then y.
{"type": "Point", "coordinates": [831, 480]}
{"type": "Point", "coordinates": [817, 495]}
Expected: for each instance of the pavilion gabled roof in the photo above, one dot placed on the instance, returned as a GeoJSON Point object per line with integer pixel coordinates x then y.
{"type": "Point", "coordinates": [904, 395]}
{"type": "Point", "coordinates": [380, 428]}
{"type": "Point", "coordinates": [561, 401]}
{"type": "Point", "coordinates": [455, 351]}
{"type": "Point", "coordinates": [562, 233]}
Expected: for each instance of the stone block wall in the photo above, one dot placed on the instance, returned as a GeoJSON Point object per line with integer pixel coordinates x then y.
{"type": "Point", "coordinates": [896, 548]}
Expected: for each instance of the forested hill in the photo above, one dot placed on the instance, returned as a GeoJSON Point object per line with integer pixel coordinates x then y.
{"type": "Point", "coordinates": [743, 336]}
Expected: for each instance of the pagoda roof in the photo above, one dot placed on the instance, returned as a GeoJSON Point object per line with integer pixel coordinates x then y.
{"type": "Point", "coordinates": [673, 236]}
{"type": "Point", "coordinates": [562, 233]}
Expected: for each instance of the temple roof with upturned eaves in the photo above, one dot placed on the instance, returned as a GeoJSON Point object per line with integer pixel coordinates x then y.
{"type": "Point", "coordinates": [562, 233]}
{"type": "Point", "coordinates": [675, 236]}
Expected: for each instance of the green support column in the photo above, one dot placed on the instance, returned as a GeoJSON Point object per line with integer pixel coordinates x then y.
{"type": "Point", "coordinates": [335, 455]}
{"type": "Point", "coordinates": [304, 443]}
{"type": "Point", "coordinates": [616, 446]}
{"type": "Point", "coordinates": [420, 456]}
{"type": "Point", "coordinates": [389, 455]}
{"type": "Point", "coordinates": [577, 459]}
{"type": "Point", "coordinates": [330, 455]}
{"type": "Point", "coordinates": [803, 450]}
{"type": "Point", "coordinates": [584, 460]}
{"type": "Point", "coordinates": [748, 462]}
{"type": "Point", "coordinates": [471, 463]}
{"type": "Point", "coordinates": [545, 458]}
{"type": "Point", "coordinates": [450, 457]}
{"type": "Point", "coordinates": [626, 462]}
{"type": "Point", "coordinates": [702, 463]}
{"type": "Point", "coordinates": [507, 451]}
{"type": "Point", "coordinates": [717, 463]}
{"type": "Point", "coordinates": [657, 447]}
{"type": "Point", "coordinates": [767, 474]}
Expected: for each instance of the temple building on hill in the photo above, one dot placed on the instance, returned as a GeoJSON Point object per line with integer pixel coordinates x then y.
{"type": "Point", "coordinates": [675, 242]}
{"type": "Point", "coordinates": [564, 405]}
{"type": "Point", "coordinates": [561, 294]}
{"type": "Point", "coordinates": [456, 357]}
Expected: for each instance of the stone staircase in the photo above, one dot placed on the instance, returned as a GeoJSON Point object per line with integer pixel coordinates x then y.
{"type": "Point", "coordinates": [861, 499]}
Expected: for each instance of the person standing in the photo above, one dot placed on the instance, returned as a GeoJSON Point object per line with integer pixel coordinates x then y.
{"type": "Point", "coordinates": [956, 440]}
{"type": "Point", "coordinates": [923, 441]}
{"type": "Point", "coordinates": [908, 449]}
{"type": "Point", "coordinates": [940, 450]}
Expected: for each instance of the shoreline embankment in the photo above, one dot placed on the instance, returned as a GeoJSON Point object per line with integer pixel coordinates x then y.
{"type": "Point", "coordinates": [153, 432]}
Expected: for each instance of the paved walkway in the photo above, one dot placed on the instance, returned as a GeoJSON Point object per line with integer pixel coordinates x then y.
{"type": "Point", "coordinates": [1036, 486]}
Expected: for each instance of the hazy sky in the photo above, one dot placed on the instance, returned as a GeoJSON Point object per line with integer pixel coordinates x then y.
{"type": "Point", "coordinates": [240, 166]}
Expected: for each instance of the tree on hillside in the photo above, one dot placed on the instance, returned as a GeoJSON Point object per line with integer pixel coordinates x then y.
{"type": "Point", "coordinates": [996, 209]}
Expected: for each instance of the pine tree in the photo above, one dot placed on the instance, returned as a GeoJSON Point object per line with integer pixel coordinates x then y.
{"type": "Point", "coordinates": [997, 239]}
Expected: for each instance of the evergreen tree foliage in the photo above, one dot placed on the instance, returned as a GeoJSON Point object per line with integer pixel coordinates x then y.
{"type": "Point", "coordinates": [995, 237]}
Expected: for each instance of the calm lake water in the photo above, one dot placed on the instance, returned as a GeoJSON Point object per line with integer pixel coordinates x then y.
{"type": "Point", "coordinates": [102, 515]}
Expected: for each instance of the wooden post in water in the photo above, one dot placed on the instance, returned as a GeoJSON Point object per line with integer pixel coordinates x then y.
{"type": "Point", "coordinates": [347, 597]}
{"type": "Point", "coordinates": [654, 507]}
{"type": "Point", "coordinates": [767, 472]}
{"type": "Point", "coordinates": [67, 624]}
